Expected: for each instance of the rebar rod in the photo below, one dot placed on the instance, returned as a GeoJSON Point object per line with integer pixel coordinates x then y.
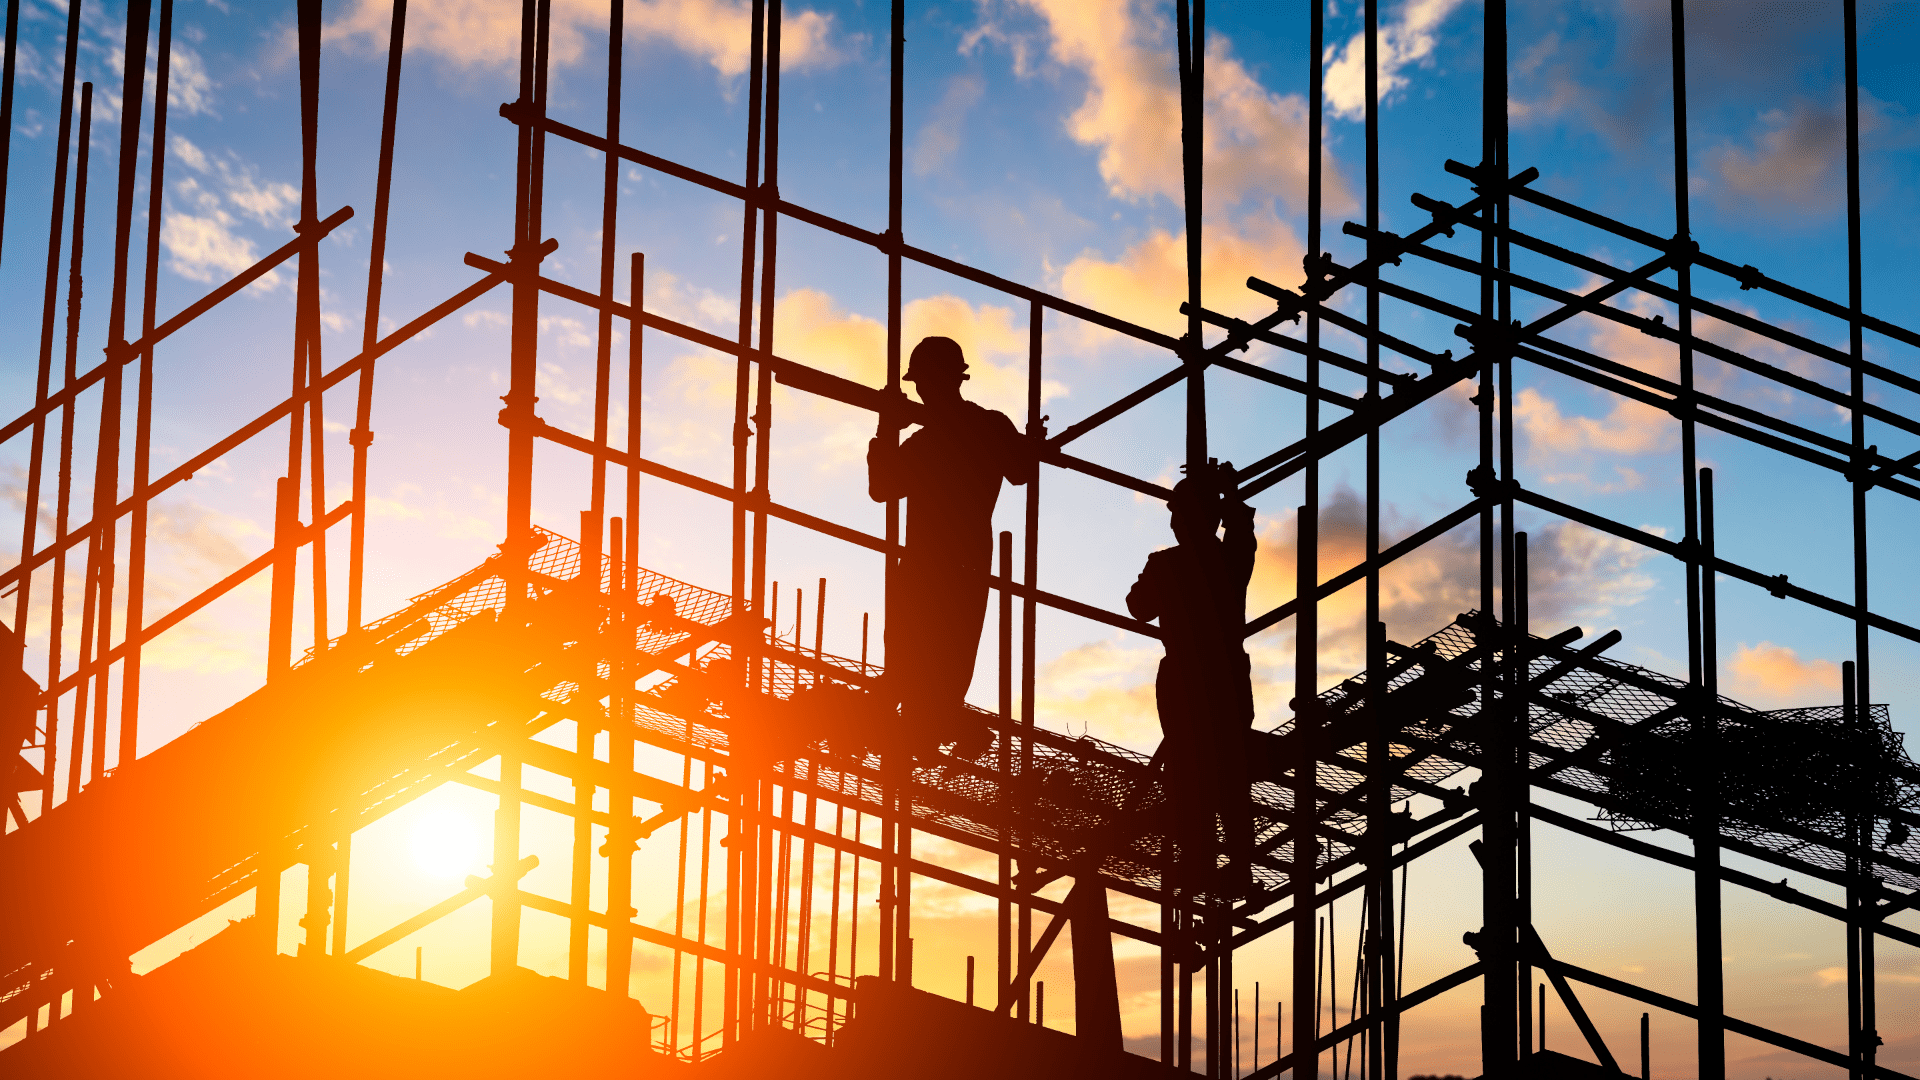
{"type": "Point", "coordinates": [6, 107]}
{"type": "Point", "coordinates": [700, 917]}
{"type": "Point", "coordinates": [101, 570]}
{"type": "Point", "coordinates": [833, 914]}
{"type": "Point", "coordinates": [143, 407]}
{"type": "Point", "coordinates": [56, 638]}
{"type": "Point", "coordinates": [30, 517]}
{"type": "Point", "coordinates": [609, 223]}
{"type": "Point", "coordinates": [361, 437]}
{"type": "Point", "coordinates": [308, 310]}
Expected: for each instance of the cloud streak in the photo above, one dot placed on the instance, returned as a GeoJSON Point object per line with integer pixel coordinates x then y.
{"type": "Point", "coordinates": [1148, 282]}
{"type": "Point", "coordinates": [1406, 41]}
{"type": "Point", "coordinates": [1255, 148]}
{"type": "Point", "coordinates": [1774, 676]}
{"type": "Point", "coordinates": [200, 231]}
{"type": "Point", "coordinates": [1576, 575]}
{"type": "Point", "coordinates": [940, 139]}
{"type": "Point", "coordinates": [486, 33]}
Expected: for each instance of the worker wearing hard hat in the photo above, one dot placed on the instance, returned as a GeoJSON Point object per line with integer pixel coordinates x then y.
{"type": "Point", "coordinates": [949, 473]}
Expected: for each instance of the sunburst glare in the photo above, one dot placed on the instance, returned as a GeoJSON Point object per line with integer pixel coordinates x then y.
{"type": "Point", "coordinates": [446, 843]}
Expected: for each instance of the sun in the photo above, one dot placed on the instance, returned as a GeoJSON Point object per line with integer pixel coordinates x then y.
{"type": "Point", "coordinates": [447, 844]}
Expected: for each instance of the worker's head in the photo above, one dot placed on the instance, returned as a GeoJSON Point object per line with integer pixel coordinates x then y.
{"type": "Point", "coordinates": [936, 369]}
{"type": "Point", "coordinates": [1195, 507]}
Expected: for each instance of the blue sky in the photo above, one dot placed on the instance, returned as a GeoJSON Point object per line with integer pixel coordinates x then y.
{"type": "Point", "coordinates": [1041, 145]}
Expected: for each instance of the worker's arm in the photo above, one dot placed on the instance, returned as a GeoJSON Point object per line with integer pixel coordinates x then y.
{"type": "Point", "coordinates": [886, 478]}
{"type": "Point", "coordinates": [1144, 601]}
{"type": "Point", "coordinates": [1017, 461]}
{"type": "Point", "coordinates": [1239, 540]}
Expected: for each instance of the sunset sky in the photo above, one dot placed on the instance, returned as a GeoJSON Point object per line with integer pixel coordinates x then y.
{"type": "Point", "coordinates": [1042, 144]}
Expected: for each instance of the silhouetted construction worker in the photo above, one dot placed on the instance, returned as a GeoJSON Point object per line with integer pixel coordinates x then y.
{"type": "Point", "coordinates": [19, 724]}
{"type": "Point", "coordinates": [949, 473]}
{"type": "Point", "coordinates": [1198, 591]}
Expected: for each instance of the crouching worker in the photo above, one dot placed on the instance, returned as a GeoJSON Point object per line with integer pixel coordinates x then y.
{"type": "Point", "coordinates": [1197, 589]}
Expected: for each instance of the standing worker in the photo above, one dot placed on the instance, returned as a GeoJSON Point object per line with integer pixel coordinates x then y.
{"type": "Point", "coordinates": [1204, 691]}
{"type": "Point", "coordinates": [949, 473]}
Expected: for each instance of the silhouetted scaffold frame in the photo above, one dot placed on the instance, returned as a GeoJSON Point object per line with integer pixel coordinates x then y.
{"type": "Point", "coordinates": [1348, 833]}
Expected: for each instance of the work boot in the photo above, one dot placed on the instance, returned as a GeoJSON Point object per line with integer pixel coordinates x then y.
{"type": "Point", "coordinates": [975, 739]}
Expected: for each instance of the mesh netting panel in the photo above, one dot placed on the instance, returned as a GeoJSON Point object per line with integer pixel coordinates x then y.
{"type": "Point", "coordinates": [1796, 782]}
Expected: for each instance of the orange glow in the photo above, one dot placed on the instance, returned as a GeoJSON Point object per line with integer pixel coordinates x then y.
{"type": "Point", "coordinates": [447, 844]}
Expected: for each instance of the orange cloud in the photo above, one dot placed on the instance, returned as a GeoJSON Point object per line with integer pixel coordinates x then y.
{"type": "Point", "coordinates": [1149, 281]}
{"type": "Point", "coordinates": [1105, 687]}
{"type": "Point", "coordinates": [811, 328]}
{"type": "Point", "coordinates": [1774, 675]}
{"type": "Point", "coordinates": [1576, 575]}
{"type": "Point", "coordinates": [1630, 427]}
{"type": "Point", "coordinates": [1570, 443]}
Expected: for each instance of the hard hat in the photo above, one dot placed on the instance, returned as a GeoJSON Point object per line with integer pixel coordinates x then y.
{"type": "Point", "coordinates": [936, 356]}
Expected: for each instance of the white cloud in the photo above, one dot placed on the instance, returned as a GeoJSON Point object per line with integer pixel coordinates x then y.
{"type": "Point", "coordinates": [487, 32]}
{"type": "Point", "coordinates": [940, 138]}
{"type": "Point", "coordinates": [1255, 148]}
{"type": "Point", "coordinates": [1630, 427]}
{"type": "Point", "coordinates": [205, 249]}
{"type": "Point", "coordinates": [189, 87]}
{"type": "Point", "coordinates": [1407, 40]}
{"type": "Point", "coordinates": [1254, 155]}
{"type": "Point", "coordinates": [220, 191]}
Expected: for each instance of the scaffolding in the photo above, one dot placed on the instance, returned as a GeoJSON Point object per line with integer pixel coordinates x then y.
{"type": "Point", "coordinates": [769, 732]}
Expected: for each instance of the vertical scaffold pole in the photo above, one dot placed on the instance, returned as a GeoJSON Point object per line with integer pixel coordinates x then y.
{"type": "Point", "coordinates": [143, 407]}
{"type": "Point", "coordinates": [1003, 906]}
{"type": "Point", "coordinates": [738, 841]}
{"type": "Point", "coordinates": [106, 478]}
{"type": "Point", "coordinates": [1377, 923]}
{"type": "Point", "coordinates": [37, 454]}
{"type": "Point", "coordinates": [587, 734]}
{"type": "Point", "coordinates": [322, 860]}
{"type": "Point", "coordinates": [307, 312]}
{"type": "Point", "coordinates": [1499, 1036]}
{"type": "Point", "coordinates": [77, 751]}
{"type": "Point", "coordinates": [1706, 823]}
{"type": "Point", "coordinates": [1030, 568]}
{"type": "Point", "coordinates": [523, 361]}
{"type": "Point", "coordinates": [6, 106]}
{"type": "Point", "coordinates": [895, 774]}
{"type": "Point", "coordinates": [767, 990]}
{"type": "Point", "coordinates": [1188, 15]}
{"type": "Point", "coordinates": [1304, 820]}
{"type": "Point", "coordinates": [1523, 818]}
{"type": "Point", "coordinates": [362, 434]}
{"type": "Point", "coordinates": [1861, 978]}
